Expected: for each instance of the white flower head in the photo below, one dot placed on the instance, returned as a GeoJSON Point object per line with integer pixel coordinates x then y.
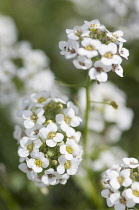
{"type": "Point", "coordinates": [99, 72]}
{"type": "Point", "coordinates": [71, 166]}
{"type": "Point", "coordinates": [82, 63]}
{"type": "Point", "coordinates": [28, 146]}
{"type": "Point", "coordinates": [50, 177]}
{"type": "Point", "coordinates": [40, 98]}
{"type": "Point", "coordinates": [109, 55]}
{"type": "Point", "coordinates": [77, 32]}
{"type": "Point", "coordinates": [69, 49]}
{"type": "Point", "coordinates": [131, 162]}
{"type": "Point", "coordinates": [68, 117]}
{"type": "Point", "coordinates": [90, 47]}
{"type": "Point", "coordinates": [32, 118]}
{"type": "Point", "coordinates": [51, 135]}
{"type": "Point", "coordinates": [38, 162]}
{"type": "Point", "coordinates": [70, 149]}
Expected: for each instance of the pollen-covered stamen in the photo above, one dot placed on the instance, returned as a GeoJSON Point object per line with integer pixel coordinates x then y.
{"type": "Point", "coordinates": [69, 149]}
{"type": "Point", "coordinates": [38, 163]}
{"type": "Point", "coordinates": [67, 164]}
{"type": "Point", "coordinates": [41, 99]}
{"type": "Point", "coordinates": [67, 119]}
{"type": "Point", "coordinates": [82, 64]}
{"type": "Point", "coordinates": [89, 47]}
{"type": "Point", "coordinates": [136, 193]}
{"type": "Point", "coordinates": [51, 135]}
{"type": "Point", "coordinates": [34, 117]}
{"type": "Point", "coordinates": [99, 69]}
{"type": "Point", "coordinates": [78, 32]}
{"type": "Point", "coordinates": [123, 200]}
{"type": "Point", "coordinates": [30, 147]}
{"type": "Point", "coordinates": [72, 51]}
{"type": "Point", "coordinates": [50, 176]}
{"type": "Point", "coordinates": [93, 25]}
{"type": "Point", "coordinates": [108, 55]}
{"type": "Point", "coordinates": [120, 179]}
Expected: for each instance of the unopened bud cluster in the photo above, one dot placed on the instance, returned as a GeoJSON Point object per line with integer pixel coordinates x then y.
{"type": "Point", "coordinates": [95, 48]}
{"type": "Point", "coordinates": [49, 151]}
{"type": "Point", "coordinates": [122, 185]}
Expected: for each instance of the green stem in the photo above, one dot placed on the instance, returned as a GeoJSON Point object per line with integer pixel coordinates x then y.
{"type": "Point", "coordinates": [91, 190]}
{"type": "Point", "coordinates": [86, 116]}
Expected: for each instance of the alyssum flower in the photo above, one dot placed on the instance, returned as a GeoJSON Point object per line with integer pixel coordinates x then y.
{"type": "Point", "coordinates": [91, 42]}
{"type": "Point", "coordinates": [122, 184]}
{"type": "Point", "coordinates": [49, 151]}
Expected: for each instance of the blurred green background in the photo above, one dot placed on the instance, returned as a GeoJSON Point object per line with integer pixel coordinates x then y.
{"type": "Point", "coordinates": [43, 23]}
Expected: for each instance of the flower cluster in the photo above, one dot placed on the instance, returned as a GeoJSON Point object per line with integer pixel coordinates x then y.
{"type": "Point", "coordinates": [49, 150]}
{"type": "Point", "coordinates": [95, 48]}
{"type": "Point", "coordinates": [122, 183]}
{"type": "Point", "coordinates": [21, 67]}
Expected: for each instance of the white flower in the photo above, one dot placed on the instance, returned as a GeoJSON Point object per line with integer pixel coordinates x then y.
{"type": "Point", "coordinates": [117, 36]}
{"type": "Point", "coordinates": [71, 166]}
{"type": "Point", "coordinates": [38, 162]}
{"type": "Point", "coordinates": [122, 202]}
{"type": "Point", "coordinates": [131, 162]}
{"type": "Point", "coordinates": [82, 63]}
{"type": "Point", "coordinates": [77, 32]}
{"type": "Point", "coordinates": [63, 178]}
{"type": "Point", "coordinates": [123, 51]}
{"type": "Point", "coordinates": [118, 179]}
{"type": "Point", "coordinates": [26, 105]}
{"type": "Point", "coordinates": [69, 49]}
{"type": "Point", "coordinates": [36, 59]}
{"type": "Point", "coordinates": [117, 69]}
{"type": "Point", "coordinates": [68, 117]}
{"type": "Point", "coordinates": [40, 98]}
{"type": "Point", "coordinates": [33, 133]}
{"type": "Point", "coordinates": [30, 173]}
{"type": "Point", "coordinates": [133, 192]}
{"type": "Point", "coordinates": [70, 149]}
{"type": "Point", "coordinates": [71, 133]}
{"type": "Point", "coordinates": [90, 47]}
{"type": "Point", "coordinates": [32, 118]}
{"type": "Point", "coordinates": [99, 71]}
{"type": "Point", "coordinates": [8, 32]}
{"type": "Point", "coordinates": [47, 81]}
{"type": "Point", "coordinates": [27, 146]}
{"type": "Point", "coordinates": [108, 53]}
{"type": "Point", "coordinates": [50, 177]}
{"type": "Point", "coordinates": [51, 135]}
{"type": "Point", "coordinates": [94, 24]}
{"type": "Point", "coordinates": [18, 132]}
{"type": "Point", "coordinates": [107, 194]}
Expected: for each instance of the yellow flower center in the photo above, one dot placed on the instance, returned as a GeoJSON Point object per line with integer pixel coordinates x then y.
{"type": "Point", "coordinates": [82, 64]}
{"type": "Point", "coordinates": [72, 51]}
{"type": "Point", "coordinates": [123, 200]}
{"type": "Point", "coordinates": [30, 147]}
{"type": "Point", "coordinates": [34, 117]}
{"type": "Point", "coordinates": [78, 32]}
{"type": "Point", "coordinates": [93, 25]}
{"type": "Point", "coordinates": [41, 99]}
{"type": "Point", "coordinates": [69, 149]}
{"type": "Point", "coordinates": [51, 135]}
{"type": "Point", "coordinates": [38, 163]}
{"type": "Point", "coordinates": [108, 55]}
{"type": "Point", "coordinates": [120, 179]}
{"type": "Point", "coordinates": [136, 193]}
{"type": "Point", "coordinates": [89, 47]}
{"type": "Point", "coordinates": [67, 119]}
{"type": "Point", "coordinates": [67, 164]}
